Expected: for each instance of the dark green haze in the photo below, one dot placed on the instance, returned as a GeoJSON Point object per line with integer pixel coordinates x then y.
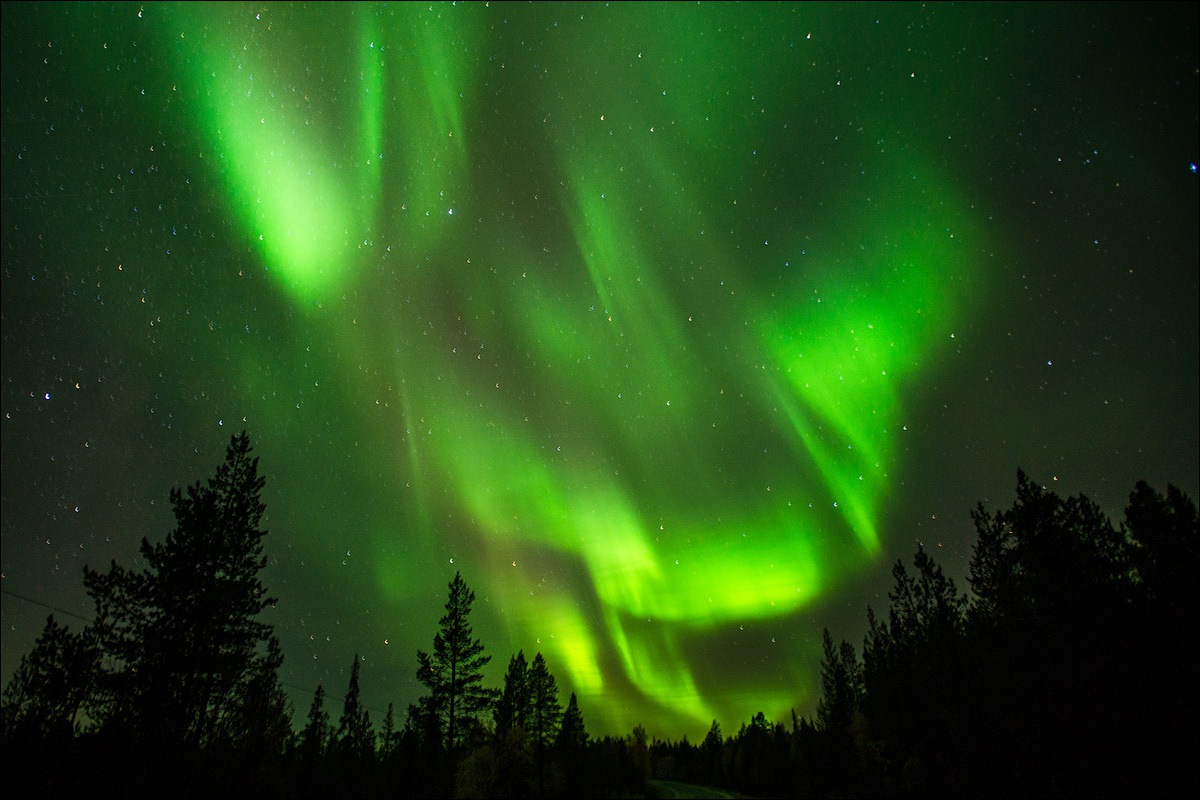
{"type": "Point", "coordinates": [671, 326]}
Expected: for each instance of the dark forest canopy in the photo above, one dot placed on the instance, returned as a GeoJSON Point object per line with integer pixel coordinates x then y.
{"type": "Point", "coordinates": [1067, 666]}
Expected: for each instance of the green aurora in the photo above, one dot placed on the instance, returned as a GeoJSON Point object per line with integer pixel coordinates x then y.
{"type": "Point", "coordinates": [620, 309]}
{"type": "Point", "coordinates": [621, 338]}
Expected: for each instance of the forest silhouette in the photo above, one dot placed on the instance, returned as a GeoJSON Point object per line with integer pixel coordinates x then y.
{"type": "Point", "coordinates": [1069, 668]}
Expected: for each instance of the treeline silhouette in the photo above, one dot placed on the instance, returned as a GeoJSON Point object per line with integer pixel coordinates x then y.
{"type": "Point", "coordinates": [1069, 669]}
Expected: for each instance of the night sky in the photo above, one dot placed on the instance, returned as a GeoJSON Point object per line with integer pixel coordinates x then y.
{"type": "Point", "coordinates": [671, 326]}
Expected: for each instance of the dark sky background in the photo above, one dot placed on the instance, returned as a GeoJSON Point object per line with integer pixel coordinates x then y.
{"type": "Point", "coordinates": [671, 326]}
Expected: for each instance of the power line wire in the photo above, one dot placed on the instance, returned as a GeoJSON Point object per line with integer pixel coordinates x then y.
{"type": "Point", "coordinates": [45, 605]}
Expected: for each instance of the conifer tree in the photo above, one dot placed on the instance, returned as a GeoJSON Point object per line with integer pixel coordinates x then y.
{"type": "Point", "coordinates": [841, 685]}
{"type": "Point", "coordinates": [51, 684]}
{"type": "Point", "coordinates": [713, 750]}
{"type": "Point", "coordinates": [389, 737]}
{"type": "Point", "coordinates": [572, 735]}
{"type": "Point", "coordinates": [314, 739]}
{"type": "Point", "coordinates": [260, 722]}
{"type": "Point", "coordinates": [453, 673]}
{"type": "Point", "coordinates": [545, 715]}
{"type": "Point", "coordinates": [841, 697]}
{"type": "Point", "coordinates": [512, 710]}
{"type": "Point", "coordinates": [571, 747]}
{"type": "Point", "coordinates": [181, 637]}
{"type": "Point", "coordinates": [354, 737]}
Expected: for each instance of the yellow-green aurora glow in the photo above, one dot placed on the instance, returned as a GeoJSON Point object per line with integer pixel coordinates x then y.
{"type": "Point", "coordinates": [672, 326]}
{"type": "Point", "coordinates": [599, 402]}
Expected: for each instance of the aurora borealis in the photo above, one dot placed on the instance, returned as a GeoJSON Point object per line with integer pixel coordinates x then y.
{"type": "Point", "coordinates": [671, 326]}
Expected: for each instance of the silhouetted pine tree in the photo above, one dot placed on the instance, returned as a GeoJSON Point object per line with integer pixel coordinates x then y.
{"type": "Point", "coordinates": [1164, 715]}
{"type": "Point", "coordinates": [572, 734]}
{"type": "Point", "coordinates": [355, 738]}
{"type": "Point", "coordinates": [258, 727]}
{"type": "Point", "coordinates": [1051, 577]}
{"type": "Point", "coordinates": [454, 673]}
{"type": "Point", "coordinates": [712, 751]}
{"type": "Point", "coordinates": [314, 738]}
{"type": "Point", "coordinates": [638, 753]}
{"type": "Point", "coordinates": [422, 749]}
{"type": "Point", "coordinates": [545, 715]}
{"type": "Point", "coordinates": [571, 748]}
{"type": "Point", "coordinates": [841, 696]}
{"type": "Point", "coordinates": [1015, 691]}
{"type": "Point", "coordinates": [913, 667]}
{"type": "Point", "coordinates": [45, 695]}
{"type": "Point", "coordinates": [1164, 549]}
{"type": "Point", "coordinates": [181, 637]}
{"type": "Point", "coordinates": [512, 708]}
{"type": "Point", "coordinates": [389, 737]}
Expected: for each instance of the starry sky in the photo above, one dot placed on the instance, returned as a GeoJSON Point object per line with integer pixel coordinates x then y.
{"type": "Point", "coordinates": [671, 326]}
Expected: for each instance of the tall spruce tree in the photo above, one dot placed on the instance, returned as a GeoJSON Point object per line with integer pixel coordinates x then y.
{"type": "Point", "coordinates": [259, 724]}
{"type": "Point", "coordinates": [512, 709]}
{"type": "Point", "coordinates": [389, 737]}
{"type": "Point", "coordinates": [181, 637]}
{"type": "Point", "coordinates": [454, 672]}
{"type": "Point", "coordinates": [572, 734]}
{"type": "Point", "coordinates": [355, 739]}
{"type": "Point", "coordinates": [46, 693]}
{"type": "Point", "coordinates": [314, 739]}
{"type": "Point", "coordinates": [545, 715]}
{"type": "Point", "coordinates": [841, 685]}
{"type": "Point", "coordinates": [841, 697]}
{"type": "Point", "coordinates": [571, 747]}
